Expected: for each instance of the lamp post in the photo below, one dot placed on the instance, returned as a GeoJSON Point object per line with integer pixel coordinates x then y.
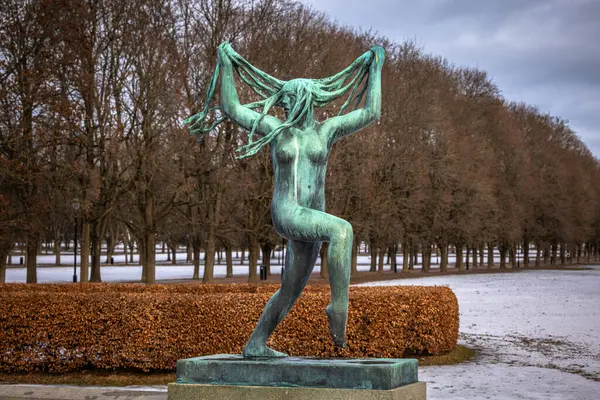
{"type": "Point", "coordinates": [75, 209]}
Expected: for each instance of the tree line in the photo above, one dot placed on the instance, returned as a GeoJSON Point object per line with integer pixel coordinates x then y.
{"type": "Point", "coordinates": [92, 98]}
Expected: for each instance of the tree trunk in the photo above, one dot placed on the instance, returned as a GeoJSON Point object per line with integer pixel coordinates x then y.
{"type": "Point", "coordinates": [354, 260]}
{"type": "Point", "coordinates": [443, 257]}
{"type": "Point", "coordinates": [266, 250]}
{"type": "Point", "coordinates": [426, 256]}
{"type": "Point", "coordinates": [209, 259]}
{"type": "Point", "coordinates": [57, 252]}
{"type": "Point", "coordinates": [392, 252]}
{"type": "Point", "coordinates": [481, 251]}
{"type": "Point", "coordinates": [31, 258]}
{"type": "Point", "coordinates": [229, 261]}
{"type": "Point", "coordinates": [553, 253]}
{"type": "Point", "coordinates": [189, 250]}
{"type": "Point", "coordinates": [98, 229]}
{"type": "Point", "coordinates": [214, 212]}
{"type": "Point", "coordinates": [252, 260]}
{"type": "Point", "coordinates": [459, 258]}
{"type": "Point", "coordinates": [131, 249]}
{"type": "Point", "coordinates": [414, 251]}
{"type": "Point", "coordinates": [142, 253]}
{"type": "Point", "coordinates": [474, 256]}
{"type": "Point", "coordinates": [373, 254]}
{"type": "Point", "coordinates": [173, 250]}
{"type": "Point", "coordinates": [84, 269]}
{"type": "Point", "coordinates": [380, 260]}
{"type": "Point", "coordinates": [411, 255]}
{"type": "Point", "coordinates": [324, 266]}
{"type": "Point", "coordinates": [96, 235]}
{"type": "Point", "coordinates": [502, 250]}
{"type": "Point", "coordinates": [405, 256]}
{"type": "Point", "coordinates": [512, 255]}
{"type": "Point", "coordinates": [195, 247]}
{"type": "Point", "coordinates": [538, 254]}
{"type": "Point", "coordinates": [243, 256]}
{"type": "Point", "coordinates": [125, 252]}
{"type": "Point", "coordinates": [490, 255]}
{"type": "Point", "coordinates": [563, 250]}
{"type": "Point", "coordinates": [467, 257]}
{"type": "Point", "coordinates": [111, 243]}
{"type": "Point", "coordinates": [526, 253]}
{"type": "Point", "coordinates": [150, 257]}
{"type": "Point", "coordinates": [3, 256]}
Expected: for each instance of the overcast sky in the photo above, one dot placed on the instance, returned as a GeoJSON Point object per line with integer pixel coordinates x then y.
{"type": "Point", "coordinates": [543, 52]}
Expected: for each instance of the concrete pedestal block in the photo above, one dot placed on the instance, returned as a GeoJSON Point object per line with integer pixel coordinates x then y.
{"type": "Point", "coordinates": [333, 373]}
{"type": "Point", "coordinates": [233, 377]}
{"type": "Point", "coordinates": [179, 391]}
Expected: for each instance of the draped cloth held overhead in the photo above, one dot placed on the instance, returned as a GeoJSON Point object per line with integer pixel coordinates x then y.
{"type": "Point", "coordinates": [316, 92]}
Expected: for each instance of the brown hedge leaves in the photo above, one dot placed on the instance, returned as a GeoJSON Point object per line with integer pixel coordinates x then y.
{"type": "Point", "coordinates": [60, 328]}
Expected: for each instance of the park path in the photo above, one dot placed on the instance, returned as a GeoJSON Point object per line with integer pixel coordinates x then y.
{"type": "Point", "coordinates": [63, 392]}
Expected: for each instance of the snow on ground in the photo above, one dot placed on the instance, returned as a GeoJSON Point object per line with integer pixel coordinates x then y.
{"type": "Point", "coordinates": [48, 273]}
{"type": "Point", "coordinates": [538, 334]}
{"type": "Point", "coordinates": [133, 272]}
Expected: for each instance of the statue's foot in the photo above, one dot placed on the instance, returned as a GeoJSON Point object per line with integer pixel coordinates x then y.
{"type": "Point", "coordinates": [337, 326]}
{"type": "Point", "coordinates": [262, 351]}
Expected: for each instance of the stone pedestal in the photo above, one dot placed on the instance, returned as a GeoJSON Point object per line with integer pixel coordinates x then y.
{"type": "Point", "coordinates": [179, 391]}
{"type": "Point", "coordinates": [227, 376]}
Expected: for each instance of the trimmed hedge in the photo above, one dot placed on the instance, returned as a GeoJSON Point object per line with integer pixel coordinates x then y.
{"type": "Point", "coordinates": [59, 328]}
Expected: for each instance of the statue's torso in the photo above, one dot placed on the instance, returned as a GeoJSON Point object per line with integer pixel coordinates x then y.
{"type": "Point", "coordinates": [299, 160]}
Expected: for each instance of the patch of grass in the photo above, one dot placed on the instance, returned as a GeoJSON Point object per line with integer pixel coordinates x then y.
{"type": "Point", "coordinates": [133, 378]}
{"type": "Point", "coordinates": [458, 355]}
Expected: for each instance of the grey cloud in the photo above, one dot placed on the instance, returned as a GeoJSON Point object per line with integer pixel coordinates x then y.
{"type": "Point", "coordinates": [543, 52]}
{"type": "Point", "coordinates": [481, 11]}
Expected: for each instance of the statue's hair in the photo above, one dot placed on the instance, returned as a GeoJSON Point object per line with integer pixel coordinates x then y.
{"type": "Point", "coordinates": [309, 93]}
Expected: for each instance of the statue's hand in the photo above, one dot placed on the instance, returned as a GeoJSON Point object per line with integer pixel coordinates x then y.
{"type": "Point", "coordinates": [379, 54]}
{"type": "Point", "coordinates": [223, 54]}
{"type": "Point", "coordinates": [225, 48]}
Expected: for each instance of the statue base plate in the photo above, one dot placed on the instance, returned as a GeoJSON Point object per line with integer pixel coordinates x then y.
{"type": "Point", "coordinates": [178, 391]}
{"type": "Point", "coordinates": [235, 370]}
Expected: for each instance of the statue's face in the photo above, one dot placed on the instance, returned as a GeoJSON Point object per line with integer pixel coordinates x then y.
{"type": "Point", "coordinates": [290, 92]}
{"type": "Point", "coordinates": [287, 102]}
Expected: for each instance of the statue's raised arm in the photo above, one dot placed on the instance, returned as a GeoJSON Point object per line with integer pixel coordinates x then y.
{"type": "Point", "coordinates": [230, 102]}
{"type": "Point", "coordinates": [306, 93]}
{"type": "Point", "coordinates": [346, 124]}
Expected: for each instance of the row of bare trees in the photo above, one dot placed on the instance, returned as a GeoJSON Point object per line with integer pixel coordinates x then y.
{"type": "Point", "coordinates": [93, 92]}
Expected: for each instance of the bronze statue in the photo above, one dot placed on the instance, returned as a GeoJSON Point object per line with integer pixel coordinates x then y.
{"type": "Point", "coordinates": [300, 148]}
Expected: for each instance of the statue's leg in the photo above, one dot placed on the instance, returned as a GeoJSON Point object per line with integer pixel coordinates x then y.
{"type": "Point", "coordinates": [339, 257]}
{"type": "Point", "coordinates": [305, 224]}
{"type": "Point", "coordinates": [299, 263]}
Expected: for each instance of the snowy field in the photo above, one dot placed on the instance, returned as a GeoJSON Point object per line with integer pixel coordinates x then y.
{"type": "Point", "coordinates": [133, 272]}
{"type": "Point", "coordinates": [538, 334]}
{"type": "Point", "coordinates": [48, 273]}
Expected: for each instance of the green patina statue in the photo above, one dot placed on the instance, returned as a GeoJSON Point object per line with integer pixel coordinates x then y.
{"type": "Point", "coordinates": [300, 148]}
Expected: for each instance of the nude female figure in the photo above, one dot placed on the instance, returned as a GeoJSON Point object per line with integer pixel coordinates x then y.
{"type": "Point", "coordinates": [299, 153]}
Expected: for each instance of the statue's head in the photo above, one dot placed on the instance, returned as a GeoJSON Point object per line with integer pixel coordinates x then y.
{"type": "Point", "coordinates": [295, 95]}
